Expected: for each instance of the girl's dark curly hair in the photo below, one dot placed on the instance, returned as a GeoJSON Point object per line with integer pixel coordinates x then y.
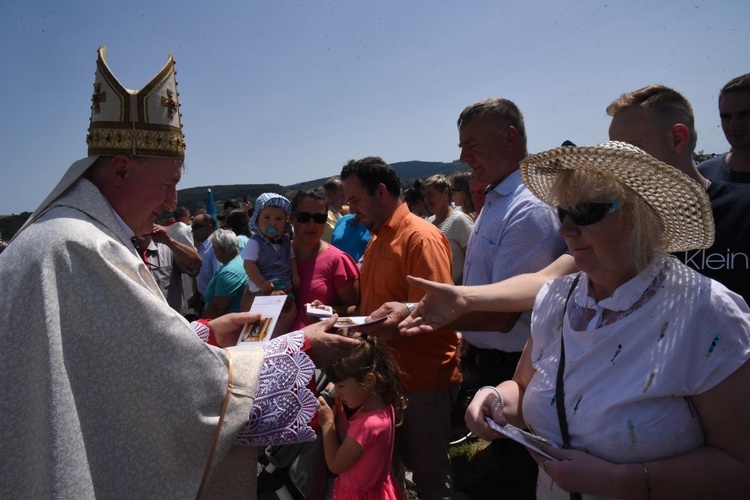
{"type": "Point", "coordinates": [373, 356]}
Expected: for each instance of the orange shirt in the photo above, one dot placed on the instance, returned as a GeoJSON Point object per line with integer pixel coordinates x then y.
{"type": "Point", "coordinates": [407, 245]}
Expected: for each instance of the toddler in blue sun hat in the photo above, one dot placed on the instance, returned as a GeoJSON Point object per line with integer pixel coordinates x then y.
{"type": "Point", "coordinates": [269, 259]}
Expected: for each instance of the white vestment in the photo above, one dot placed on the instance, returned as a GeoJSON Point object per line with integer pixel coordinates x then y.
{"type": "Point", "coordinates": [107, 391]}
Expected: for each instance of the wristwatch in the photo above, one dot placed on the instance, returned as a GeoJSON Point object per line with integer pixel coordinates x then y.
{"type": "Point", "coordinates": [410, 306]}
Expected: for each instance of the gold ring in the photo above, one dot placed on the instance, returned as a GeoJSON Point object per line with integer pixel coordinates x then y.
{"type": "Point", "coordinates": [544, 465]}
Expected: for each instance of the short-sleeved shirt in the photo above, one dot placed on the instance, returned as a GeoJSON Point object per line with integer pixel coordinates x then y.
{"type": "Point", "coordinates": [408, 245]}
{"type": "Point", "coordinates": [728, 259]}
{"type": "Point", "coordinates": [273, 258]}
{"type": "Point", "coordinates": [210, 265]}
{"type": "Point", "coordinates": [716, 169]}
{"type": "Point", "coordinates": [627, 384]}
{"type": "Point", "coordinates": [370, 478]}
{"type": "Point", "coordinates": [320, 277]}
{"type": "Point", "coordinates": [515, 233]}
{"type": "Point", "coordinates": [457, 229]}
{"type": "Point", "coordinates": [351, 237]}
{"type": "Point", "coordinates": [167, 272]}
{"type": "Point", "coordinates": [229, 281]}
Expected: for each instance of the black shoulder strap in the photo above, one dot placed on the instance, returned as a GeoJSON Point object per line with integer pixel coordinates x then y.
{"type": "Point", "coordinates": [559, 389]}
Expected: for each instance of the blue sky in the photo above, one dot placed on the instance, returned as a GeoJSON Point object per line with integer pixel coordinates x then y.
{"type": "Point", "coordinates": [289, 91]}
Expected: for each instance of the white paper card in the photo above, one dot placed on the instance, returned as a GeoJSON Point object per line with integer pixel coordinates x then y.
{"type": "Point", "coordinates": [269, 307]}
{"type": "Point", "coordinates": [527, 439]}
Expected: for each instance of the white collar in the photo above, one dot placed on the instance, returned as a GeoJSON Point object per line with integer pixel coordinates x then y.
{"type": "Point", "coordinates": [626, 294]}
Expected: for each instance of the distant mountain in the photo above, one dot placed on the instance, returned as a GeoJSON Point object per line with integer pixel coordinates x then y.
{"type": "Point", "coordinates": [408, 171]}
{"type": "Point", "coordinates": [195, 198]}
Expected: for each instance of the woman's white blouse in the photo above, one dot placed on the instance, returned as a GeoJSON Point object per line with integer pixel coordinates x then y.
{"type": "Point", "coordinates": [628, 383]}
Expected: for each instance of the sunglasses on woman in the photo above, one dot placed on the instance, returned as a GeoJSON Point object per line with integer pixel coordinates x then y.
{"type": "Point", "coordinates": [588, 212]}
{"type": "Point", "coordinates": [304, 217]}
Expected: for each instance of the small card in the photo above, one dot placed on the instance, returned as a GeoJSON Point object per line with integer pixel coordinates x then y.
{"type": "Point", "coordinates": [350, 321]}
{"type": "Point", "coordinates": [321, 311]}
{"type": "Point", "coordinates": [529, 440]}
{"type": "Point", "coordinates": [269, 307]}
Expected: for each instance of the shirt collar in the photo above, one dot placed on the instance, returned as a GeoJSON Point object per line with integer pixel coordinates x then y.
{"type": "Point", "coordinates": [626, 294]}
{"type": "Point", "coordinates": [396, 218]}
{"type": "Point", "coordinates": [507, 185]}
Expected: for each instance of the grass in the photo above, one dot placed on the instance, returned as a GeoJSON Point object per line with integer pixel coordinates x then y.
{"type": "Point", "coordinates": [475, 471]}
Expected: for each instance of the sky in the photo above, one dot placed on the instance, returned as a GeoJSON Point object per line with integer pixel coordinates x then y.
{"type": "Point", "coordinates": [284, 92]}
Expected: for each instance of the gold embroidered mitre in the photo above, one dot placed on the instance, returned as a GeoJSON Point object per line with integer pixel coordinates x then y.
{"type": "Point", "coordinates": [143, 122]}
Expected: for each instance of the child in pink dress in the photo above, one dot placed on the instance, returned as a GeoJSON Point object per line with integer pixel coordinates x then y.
{"type": "Point", "coordinates": [368, 379]}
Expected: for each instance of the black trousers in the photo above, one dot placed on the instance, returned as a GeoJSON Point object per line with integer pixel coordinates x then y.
{"type": "Point", "coordinates": [519, 470]}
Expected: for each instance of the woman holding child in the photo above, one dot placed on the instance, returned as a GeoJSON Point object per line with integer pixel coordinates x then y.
{"type": "Point", "coordinates": [327, 274]}
{"type": "Point", "coordinates": [637, 364]}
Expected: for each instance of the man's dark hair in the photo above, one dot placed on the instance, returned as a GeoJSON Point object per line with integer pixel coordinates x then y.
{"type": "Point", "coordinates": [208, 219]}
{"type": "Point", "coordinates": [231, 205]}
{"type": "Point", "coordinates": [503, 111]}
{"type": "Point", "coordinates": [238, 221]}
{"type": "Point", "coordinates": [312, 193]}
{"type": "Point", "coordinates": [181, 212]}
{"type": "Point", "coordinates": [372, 171]}
{"type": "Point", "coordinates": [739, 84]}
{"type": "Point", "coordinates": [332, 184]}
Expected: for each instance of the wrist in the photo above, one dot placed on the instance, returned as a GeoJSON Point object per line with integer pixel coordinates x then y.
{"type": "Point", "coordinates": [629, 481]}
{"type": "Point", "coordinates": [497, 393]}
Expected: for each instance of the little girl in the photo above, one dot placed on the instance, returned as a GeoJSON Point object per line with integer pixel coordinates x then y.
{"type": "Point", "coordinates": [368, 379]}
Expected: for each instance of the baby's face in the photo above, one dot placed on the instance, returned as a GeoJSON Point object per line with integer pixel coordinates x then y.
{"type": "Point", "coordinates": [271, 221]}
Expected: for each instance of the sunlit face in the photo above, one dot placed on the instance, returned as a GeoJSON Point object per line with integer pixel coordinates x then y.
{"type": "Point", "coordinates": [352, 393]}
{"type": "Point", "coordinates": [271, 221]}
{"type": "Point", "coordinates": [146, 189]}
{"type": "Point", "coordinates": [436, 201]}
{"type": "Point", "coordinates": [222, 256]}
{"type": "Point", "coordinates": [202, 227]}
{"type": "Point", "coordinates": [309, 232]}
{"type": "Point", "coordinates": [601, 249]}
{"type": "Point", "coordinates": [734, 111]}
{"type": "Point", "coordinates": [459, 198]}
{"type": "Point", "coordinates": [482, 149]}
{"type": "Point", "coordinates": [335, 197]}
{"type": "Point", "coordinates": [641, 128]}
{"type": "Point", "coordinates": [370, 208]}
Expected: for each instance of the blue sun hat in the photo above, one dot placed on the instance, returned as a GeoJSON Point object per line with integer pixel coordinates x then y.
{"type": "Point", "coordinates": [271, 200]}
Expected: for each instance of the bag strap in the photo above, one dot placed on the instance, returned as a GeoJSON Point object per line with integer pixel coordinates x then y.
{"type": "Point", "coordinates": [559, 389]}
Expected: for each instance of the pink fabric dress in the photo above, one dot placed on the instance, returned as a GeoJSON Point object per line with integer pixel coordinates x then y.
{"type": "Point", "coordinates": [370, 478]}
{"type": "Point", "coordinates": [319, 277]}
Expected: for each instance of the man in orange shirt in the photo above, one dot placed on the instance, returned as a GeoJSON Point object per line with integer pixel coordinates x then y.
{"type": "Point", "coordinates": [403, 244]}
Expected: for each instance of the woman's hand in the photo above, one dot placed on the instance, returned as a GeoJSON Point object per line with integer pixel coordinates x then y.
{"type": "Point", "coordinates": [577, 471]}
{"type": "Point", "coordinates": [485, 404]}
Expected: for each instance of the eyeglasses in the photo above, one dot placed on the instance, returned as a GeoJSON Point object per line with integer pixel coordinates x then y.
{"type": "Point", "coordinates": [304, 217]}
{"type": "Point", "coordinates": [587, 212]}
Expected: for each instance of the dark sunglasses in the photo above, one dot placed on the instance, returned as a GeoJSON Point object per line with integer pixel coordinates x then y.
{"type": "Point", "coordinates": [304, 217]}
{"type": "Point", "coordinates": [195, 227]}
{"type": "Point", "coordinates": [588, 212]}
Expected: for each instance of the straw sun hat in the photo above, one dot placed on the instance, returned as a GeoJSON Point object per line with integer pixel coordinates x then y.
{"type": "Point", "coordinates": [681, 204]}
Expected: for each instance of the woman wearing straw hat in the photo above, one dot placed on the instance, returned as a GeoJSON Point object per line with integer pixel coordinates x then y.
{"type": "Point", "coordinates": [637, 363]}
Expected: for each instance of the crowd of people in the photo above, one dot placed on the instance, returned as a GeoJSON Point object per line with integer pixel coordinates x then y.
{"type": "Point", "coordinates": [594, 296]}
